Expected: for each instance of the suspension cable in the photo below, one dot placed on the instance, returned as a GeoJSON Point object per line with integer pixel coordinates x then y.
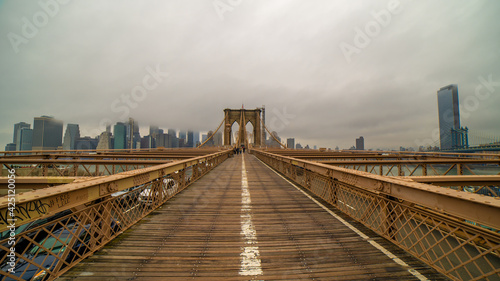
{"type": "Point", "coordinates": [212, 134]}
{"type": "Point", "coordinates": [262, 121]}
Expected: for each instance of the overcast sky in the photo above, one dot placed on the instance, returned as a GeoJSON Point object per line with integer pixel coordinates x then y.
{"type": "Point", "coordinates": [326, 71]}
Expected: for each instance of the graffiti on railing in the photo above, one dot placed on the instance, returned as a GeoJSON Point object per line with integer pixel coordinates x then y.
{"type": "Point", "coordinates": [23, 212]}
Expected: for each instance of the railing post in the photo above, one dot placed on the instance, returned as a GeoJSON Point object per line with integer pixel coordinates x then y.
{"type": "Point", "coordinates": [400, 170]}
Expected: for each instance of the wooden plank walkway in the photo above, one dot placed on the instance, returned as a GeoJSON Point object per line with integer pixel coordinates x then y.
{"type": "Point", "coordinates": [242, 221]}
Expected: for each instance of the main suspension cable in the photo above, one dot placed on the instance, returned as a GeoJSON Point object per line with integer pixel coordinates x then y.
{"type": "Point", "coordinates": [262, 121]}
{"type": "Point", "coordinates": [212, 134]}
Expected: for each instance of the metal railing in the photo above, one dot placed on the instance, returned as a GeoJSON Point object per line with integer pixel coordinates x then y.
{"type": "Point", "coordinates": [420, 167]}
{"type": "Point", "coordinates": [453, 231]}
{"type": "Point", "coordinates": [73, 163]}
{"type": "Point", "coordinates": [56, 229]}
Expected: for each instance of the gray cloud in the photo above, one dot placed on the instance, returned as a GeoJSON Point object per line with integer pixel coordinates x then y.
{"type": "Point", "coordinates": [282, 54]}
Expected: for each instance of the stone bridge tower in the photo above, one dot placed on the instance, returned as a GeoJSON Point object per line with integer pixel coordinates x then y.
{"type": "Point", "coordinates": [242, 117]}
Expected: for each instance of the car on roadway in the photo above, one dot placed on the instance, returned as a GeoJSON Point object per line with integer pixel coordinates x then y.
{"type": "Point", "coordinates": [57, 244]}
{"type": "Point", "coordinates": [168, 188]}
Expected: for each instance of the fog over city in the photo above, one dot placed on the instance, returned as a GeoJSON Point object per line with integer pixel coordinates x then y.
{"type": "Point", "coordinates": [326, 71]}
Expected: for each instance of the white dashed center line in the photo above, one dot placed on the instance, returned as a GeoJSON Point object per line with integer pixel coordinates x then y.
{"type": "Point", "coordinates": [250, 256]}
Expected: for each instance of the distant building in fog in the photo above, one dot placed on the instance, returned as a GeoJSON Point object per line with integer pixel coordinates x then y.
{"type": "Point", "coordinates": [210, 139]}
{"type": "Point", "coordinates": [47, 133]}
{"type": "Point", "coordinates": [86, 143]}
{"type": "Point", "coordinates": [105, 141]}
{"type": "Point", "coordinates": [290, 143]}
{"type": "Point", "coordinates": [146, 142]}
{"type": "Point", "coordinates": [182, 138]}
{"type": "Point", "coordinates": [172, 138]}
{"type": "Point", "coordinates": [360, 143]}
{"type": "Point", "coordinates": [196, 138]}
{"type": "Point", "coordinates": [190, 139]}
{"type": "Point", "coordinates": [17, 130]}
{"type": "Point", "coordinates": [218, 139]}
{"type": "Point", "coordinates": [24, 139]}
{"type": "Point", "coordinates": [70, 136]}
{"type": "Point", "coordinates": [133, 135]}
{"type": "Point", "coordinates": [273, 142]}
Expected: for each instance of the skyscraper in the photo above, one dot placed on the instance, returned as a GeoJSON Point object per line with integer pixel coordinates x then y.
{"type": "Point", "coordinates": [120, 132]}
{"type": "Point", "coordinates": [47, 133]}
{"type": "Point", "coordinates": [173, 141]}
{"type": "Point", "coordinates": [70, 136]}
{"type": "Point", "coordinates": [105, 141]}
{"type": "Point", "coordinates": [24, 139]}
{"type": "Point", "coordinates": [449, 114]}
{"type": "Point", "coordinates": [161, 140]}
{"type": "Point", "coordinates": [290, 143]}
{"type": "Point", "coordinates": [218, 139]}
{"type": "Point", "coordinates": [86, 143]}
{"type": "Point", "coordinates": [154, 130]}
{"type": "Point", "coordinates": [210, 139]}
{"type": "Point", "coordinates": [182, 134]}
{"type": "Point", "coordinates": [154, 134]}
{"type": "Point", "coordinates": [10, 147]}
{"type": "Point", "coordinates": [271, 142]}
{"type": "Point", "coordinates": [17, 129]}
{"type": "Point", "coordinates": [190, 139]}
{"type": "Point", "coordinates": [360, 143]}
{"type": "Point", "coordinates": [196, 138]}
{"type": "Point", "coordinates": [133, 136]}
{"type": "Point", "coordinates": [182, 138]}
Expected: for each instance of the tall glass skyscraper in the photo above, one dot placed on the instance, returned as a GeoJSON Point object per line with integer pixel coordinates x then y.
{"type": "Point", "coordinates": [24, 139]}
{"type": "Point", "coordinates": [17, 130]}
{"type": "Point", "coordinates": [190, 139]}
{"type": "Point", "coordinates": [196, 138]}
{"type": "Point", "coordinates": [290, 143]}
{"type": "Point", "coordinates": [449, 114]}
{"type": "Point", "coordinates": [47, 133]}
{"type": "Point", "coordinates": [120, 132]}
{"type": "Point", "coordinates": [172, 138]}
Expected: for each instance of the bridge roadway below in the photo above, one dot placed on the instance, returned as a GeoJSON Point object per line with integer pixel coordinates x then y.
{"type": "Point", "coordinates": [242, 221]}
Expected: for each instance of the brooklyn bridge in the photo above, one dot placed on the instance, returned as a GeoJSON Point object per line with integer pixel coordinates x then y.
{"type": "Point", "coordinates": [216, 213]}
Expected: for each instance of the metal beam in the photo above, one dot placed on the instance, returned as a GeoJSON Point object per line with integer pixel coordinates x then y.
{"type": "Point", "coordinates": [83, 161]}
{"type": "Point", "coordinates": [481, 209]}
{"type": "Point", "coordinates": [37, 204]}
{"type": "Point", "coordinates": [457, 180]}
{"type": "Point", "coordinates": [413, 162]}
{"type": "Point", "coordinates": [39, 182]}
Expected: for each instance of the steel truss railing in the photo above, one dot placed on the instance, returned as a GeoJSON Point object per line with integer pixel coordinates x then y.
{"type": "Point", "coordinates": [74, 168]}
{"type": "Point", "coordinates": [435, 225]}
{"type": "Point", "coordinates": [417, 167]}
{"type": "Point", "coordinates": [430, 168]}
{"type": "Point", "coordinates": [90, 163]}
{"type": "Point", "coordinates": [74, 220]}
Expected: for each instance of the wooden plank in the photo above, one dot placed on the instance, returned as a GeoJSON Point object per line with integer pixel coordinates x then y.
{"type": "Point", "coordinates": [198, 234]}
